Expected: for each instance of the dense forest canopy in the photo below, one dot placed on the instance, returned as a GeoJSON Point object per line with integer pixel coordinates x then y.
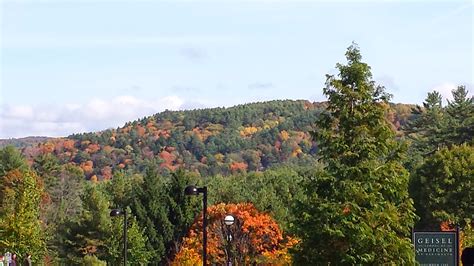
{"type": "Point", "coordinates": [249, 137]}
{"type": "Point", "coordinates": [343, 181]}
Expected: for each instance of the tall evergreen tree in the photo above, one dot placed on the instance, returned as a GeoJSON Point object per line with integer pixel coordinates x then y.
{"type": "Point", "coordinates": [10, 159]}
{"type": "Point", "coordinates": [461, 117]}
{"type": "Point", "coordinates": [428, 126]}
{"type": "Point", "coordinates": [164, 211]}
{"type": "Point", "coordinates": [182, 209]}
{"type": "Point", "coordinates": [150, 210]}
{"type": "Point", "coordinates": [434, 127]}
{"type": "Point", "coordinates": [358, 210]}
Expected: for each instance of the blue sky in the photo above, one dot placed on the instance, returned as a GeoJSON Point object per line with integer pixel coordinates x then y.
{"type": "Point", "coordinates": [80, 65]}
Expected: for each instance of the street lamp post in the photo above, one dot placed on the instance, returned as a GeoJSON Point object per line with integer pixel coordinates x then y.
{"type": "Point", "coordinates": [229, 221]}
{"type": "Point", "coordinates": [118, 212]}
{"type": "Point", "coordinates": [192, 191]}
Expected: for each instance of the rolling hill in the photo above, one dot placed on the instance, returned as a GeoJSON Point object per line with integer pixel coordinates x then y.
{"type": "Point", "coordinates": [248, 137]}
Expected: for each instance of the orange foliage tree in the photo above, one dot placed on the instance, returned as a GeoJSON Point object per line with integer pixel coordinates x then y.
{"type": "Point", "coordinates": [238, 166]}
{"type": "Point", "coordinates": [47, 147]}
{"type": "Point", "coordinates": [466, 234]}
{"type": "Point", "coordinates": [92, 148]}
{"type": "Point", "coordinates": [255, 238]}
{"type": "Point", "coordinates": [87, 166]}
{"type": "Point", "coordinates": [68, 144]}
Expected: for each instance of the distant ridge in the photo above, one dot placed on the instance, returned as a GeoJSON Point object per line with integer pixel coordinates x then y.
{"type": "Point", "coordinates": [23, 142]}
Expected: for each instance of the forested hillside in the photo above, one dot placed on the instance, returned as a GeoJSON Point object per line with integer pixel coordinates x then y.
{"type": "Point", "coordinates": [250, 137]}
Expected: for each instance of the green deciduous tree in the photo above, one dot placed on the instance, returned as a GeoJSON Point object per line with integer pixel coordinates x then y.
{"type": "Point", "coordinates": [21, 190]}
{"type": "Point", "coordinates": [272, 191]}
{"type": "Point", "coordinates": [120, 188]}
{"type": "Point", "coordinates": [137, 239]}
{"type": "Point", "coordinates": [444, 187]}
{"type": "Point", "coordinates": [358, 210]}
{"type": "Point", "coordinates": [136, 243]}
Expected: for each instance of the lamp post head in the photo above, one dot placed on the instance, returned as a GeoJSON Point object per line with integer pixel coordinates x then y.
{"type": "Point", "coordinates": [116, 212]}
{"type": "Point", "coordinates": [229, 220]}
{"type": "Point", "coordinates": [191, 190]}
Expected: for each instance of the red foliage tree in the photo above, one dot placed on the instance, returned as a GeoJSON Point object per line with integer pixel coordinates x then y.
{"type": "Point", "coordinates": [92, 148]}
{"type": "Point", "coordinates": [168, 160]}
{"type": "Point", "coordinates": [106, 172]}
{"type": "Point", "coordinates": [256, 238]}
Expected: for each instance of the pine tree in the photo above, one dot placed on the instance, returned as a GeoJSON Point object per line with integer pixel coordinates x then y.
{"type": "Point", "coordinates": [358, 210]}
{"type": "Point", "coordinates": [182, 210]}
{"type": "Point", "coordinates": [461, 117]}
{"type": "Point", "coordinates": [10, 159]}
{"type": "Point", "coordinates": [428, 127]}
{"type": "Point", "coordinates": [434, 127]}
{"type": "Point", "coordinates": [148, 205]}
{"type": "Point", "coordinates": [164, 211]}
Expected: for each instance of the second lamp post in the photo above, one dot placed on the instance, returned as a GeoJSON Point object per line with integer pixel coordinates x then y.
{"type": "Point", "coordinates": [192, 190]}
{"type": "Point", "coordinates": [229, 221]}
{"type": "Point", "coordinates": [118, 212]}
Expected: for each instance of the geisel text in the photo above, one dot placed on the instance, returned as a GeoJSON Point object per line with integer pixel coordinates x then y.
{"type": "Point", "coordinates": [435, 240]}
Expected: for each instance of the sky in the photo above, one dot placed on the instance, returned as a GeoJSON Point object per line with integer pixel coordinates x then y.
{"type": "Point", "coordinates": [75, 66]}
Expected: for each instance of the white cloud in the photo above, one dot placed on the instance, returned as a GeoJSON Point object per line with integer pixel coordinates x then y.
{"type": "Point", "coordinates": [171, 102]}
{"type": "Point", "coordinates": [65, 119]}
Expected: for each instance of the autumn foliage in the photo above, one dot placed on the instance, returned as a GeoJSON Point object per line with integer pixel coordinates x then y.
{"type": "Point", "coordinates": [466, 236]}
{"type": "Point", "coordinates": [238, 166]}
{"type": "Point", "coordinates": [256, 238]}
